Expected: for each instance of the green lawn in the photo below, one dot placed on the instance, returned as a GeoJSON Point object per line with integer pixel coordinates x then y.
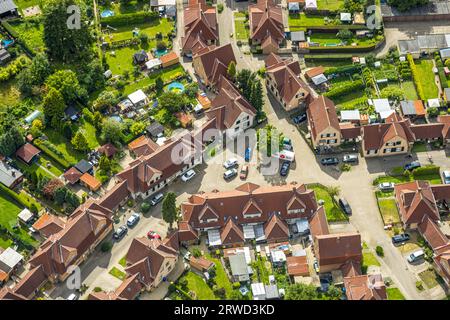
{"type": "Point", "coordinates": [90, 132]}
{"type": "Point", "coordinates": [63, 145]}
{"type": "Point", "coordinates": [429, 278]}
{"type": "Point", "coordinates": [117, 273]}
{"type": "Point", "coordinates": [432, 178]}
{"type": "Point", "coordinates": [301, 21]}
{"type": "Point", "coordinates": [123, 261]}
{"type": "Point", "coordinates": [5, 242]}
{"type": "Point", "coordinates": [37, 167]}
{"type": "Point", "coordinates": [31, 32]}
{"type": "Point", "coordinates": [369, 259]}
{"type": "Point", "coordinates": [199, 286]}
{"type": "Point", "coordinates": [426, 76]}
{"type": "Point", "coordinates": [121, 59]}
{"type": "Point", "coordinates": [333, 211]}
{"type": "Point", "coordinates": [419, 147]}
{"type": "Point", "coordinates": [394, 294]}
{"type": "Point", "coordinates": [8, 219]}
{"type": "Point", "coordinates": [327, 39]}
{"type": "Point", "coordinates": [165, 74]}
{"type": "Point", "coordinates": [221, 276]}
{"type": "Point", "coordinates": [150, 29]}
{"type": "Point", "coordinates": [122, 7]}
{"type": "Point", "coordinates": [329, 4]}
{"type": "Point", "coordinates": [241, 32]}
{"type": "Point", "coordinates": [9, 94]}
{"type": "Point", "coordinates": [388, 210]}
{"type": "Point", "coordinates": [409, 90]}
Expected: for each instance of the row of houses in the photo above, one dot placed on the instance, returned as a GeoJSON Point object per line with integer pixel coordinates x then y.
{"type": "Point", "coordinates": [394, 135]}
{"type": "Point", "coordinates": [274, 214]}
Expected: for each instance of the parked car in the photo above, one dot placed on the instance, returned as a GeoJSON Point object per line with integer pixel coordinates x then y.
{"type": "Point", "coordinates": [133, 219]}
{"type": "Point", "coordinates": [248, 154]}
{"type": "Point", "coordinates": [415, 256]}
{"type": "Point", "coordinates": [230, 174]}
{"type": "Point", "coordinates": [400, 238]}
{"type": "Point", "coordinates": [153, 235]}
{"type": "Point", "coordinates": [156, 199]}
{"type": "Point", "coordinates": [244, 172]}
{"type": "Point", "coordinates": [316, 266]}
{"type": "Point", "coordinates": [386, 186]}
{"type": "Point", "coordinates": [187, 255]}
{"type": "Point", "coordinates": [350, 158]}
{"type": "Point", "coordinates": [230, 163]}
{"type": "Point", "coordinates": [413, 165]}
{"type": "Point", "coordinates": [284, 170]}
{"type": "Point", "coordinates": [299, 118]}
{"type": "Point", "coordinates": [446, 176]}
{"type": "Point", "coordinates": [72, 296]}
{"type": "Point", "coordinates": [285, 155]}
{"type": "Point", "coordinates": [188, 175]}
{"type": "Point", "coordinates": [329, 161]}
{"type": "Point", "coordinates": [345, 206]}
{"type": "Point", "coordinates": [120, 232]}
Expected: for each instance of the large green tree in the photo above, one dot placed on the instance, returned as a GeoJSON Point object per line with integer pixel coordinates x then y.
{"type": "Point", "coordinates": [172, 101]}
{"type": "Point", "coordinates": [405, 5]}
{"type": "Point", "coordinates": [112, 131]}
{"type": "Point", "coordinates": [169, 208]}
{"type": "Point", "coordinates": [11, 140]}
{"type": "Point", "coordinates": [66, 82]}
{"type": "Point", "coordinates": [53, 106]}
{"type": "Point", "coordinates": [80, 142]}
{"type": "Point", "coordinates": [67, 36]}
{"type": "Point", "coordinates": [34, 75]}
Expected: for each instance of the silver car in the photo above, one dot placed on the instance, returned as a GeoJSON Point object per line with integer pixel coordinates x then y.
{"type": "Point", "coordinates": [386, 186]}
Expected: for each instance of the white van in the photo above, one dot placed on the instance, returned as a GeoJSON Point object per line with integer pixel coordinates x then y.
{"type": "Point", "coordinates": [415, 256]}
{"type": "Point", "coordinates": [72, 296]}
{"type": "Point", "coordinates": [285, 155]}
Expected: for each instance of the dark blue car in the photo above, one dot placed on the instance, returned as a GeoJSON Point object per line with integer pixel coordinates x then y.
{"type": "Point", "coordinates": [248, 154]}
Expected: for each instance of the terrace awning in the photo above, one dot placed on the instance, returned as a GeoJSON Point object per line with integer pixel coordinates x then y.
{"type": "Point", "coordinates": [214, 237]}
{"type": "Point", "coordinates": [249, 232]}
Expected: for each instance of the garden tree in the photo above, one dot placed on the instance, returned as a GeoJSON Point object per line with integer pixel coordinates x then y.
{"type": "Point", "coordinates": [97, 119]}
{"type": "Point", "coordinates": [111, 131]}
{"type": "Point", "coordinates": [256, 96]}
{"type": "Point", "coordinates": [104, 164]}
{"type": "Point", "coordinates": [66, 82]}
{"type": "Point", "coordinates": [232, 70]}
{"type": "Point", "coordinates": [244, 79]}
{"type": "Point", "coordinates": [91, 75]}
{"type": "Point", "coordinates": [161, 45]}
{"type": "Point", "coordinates": [87, 115]}
{"type": "Point", "coordinates": [447, 63]}
{"type": "Point", "coordinates": [145, 207]}
{"type": "Point", "coordinates": [137, 128]}
{"type": "Point", "coordinates": [11, 140]}
{"type": "Point", "coordinates": [60, 195]}
{"type": "Point", "coordinates": [169, 209]}
{"type": "Point", "coordinates": [79, 141]}
{"type": "Point", "coordinates": [171, 101]}
{"type": "Point", "coordinates": [53, 106]}
{"type": "Point", "coordinates": [405, 5]}
{"type": "Point", "coordinates": [159, 85]}
{"type": "Point", "coordinates": [67, 130]}
{"type": "Point", "coordinates": [433, 111]}
{"type": "Point", "coordinates": [333, 293]}
{"type": "Point", "coordinates": [333, 190]}
{"type": "Point", "coordinates": [34, 75]}
{"type": "Point", "coordinates": [268, 131]}
{"type": "Point", "coordinates": [66, 44]}
{"type": "Point", "coordinates": [353, 6]}
{"type": "Point", "coordinates": [106, 99]}
{"type": "Point", "coordinates": [300, 291]}
{"type": "Point", "coordinates": [36, 127]}
{"type": "Point", "coordinates": [72, 199]}
{"type": "Point", "coordinates": [51, 186]}
{"type": "Point", "coordinates": [42, 182]}
{"type": "Point", "coordinates": [344, 34]}
{"type": "Point", "coordinates": [392, 93]}
{"type": "Point", "coordinates": [191, 90]}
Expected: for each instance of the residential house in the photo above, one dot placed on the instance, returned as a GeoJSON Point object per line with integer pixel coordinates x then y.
{"type": "Point", "coordinates": [200, 27]}
{"type": "Point", "coordinates": [230, 111]}
{"type": "Point", "coordinates": [266, 26]}
{"type": "Point", "coordinates": [169, 59]}
{"type": "Point", "coordinates": [334, 250]}
{"type": "Point", "coordinates": [201, 264]}
{"type": "Point", "coordinates": [283, 81]}
{"type": "Point", "coordinates": [413, 109]}
{"type": "Point", "coordinates": [72, 175]}
{"type": "Point", "coordinates": [150, 261]}
{"type": "Point", "coordinates": [8, 8]}
{"type": "Point", "coordinates": [385, 139]}
{"type": "Point", "coordinates": [10, 261]}
{"type": "Point", "coordinates": [365, 287]}
{"type": "Point", "coordinates": [108, 149]}
{"type": "Point", "coordinates": [142, 146]}
{"type": "Point", "coordinates": [90, 182]}
{"type": "Point", "coordinates": [323, 123]}
{"type": "Point", "coordinates": [10, 176]}
{"type": "Point", "coordinates": [28, 153]}
{"type": "Point", "coordinates": [139, 99]}
{"type": "Point", "coordinates": [248, 212]}
{"type": "Point", "coordinates": [8, 294]}
{"type": "Point", "coordinates": [48, 225]}
{"type": "Point", "coordinates": [115, 197]}
{"type": "Point", "coordinates": [30, 284]}
{"type": "Point", "coordinates": [212, 63]}
{"type": "Point", "coordinates": [297, 266]}
{"type": "Point", "coordinates": [239, 268]}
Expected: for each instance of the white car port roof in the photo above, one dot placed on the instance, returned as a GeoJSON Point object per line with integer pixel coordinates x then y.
{"type": "Point", "coordinates": [214, 237]}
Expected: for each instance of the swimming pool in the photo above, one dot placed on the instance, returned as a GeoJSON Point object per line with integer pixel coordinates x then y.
{"type": "Point", "coordinates": [159, 53]}
{"type": "Point", "coordinates": [107, 13]}
{"type": "Point", "coordinates": [7, 43]}
{"type": "Point", "coordinates": [176, 87]}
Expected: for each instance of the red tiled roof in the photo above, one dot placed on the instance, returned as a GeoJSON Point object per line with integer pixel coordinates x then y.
{"type": "Point", "coordinates": [169, 57]}
{"type": "Point", "coordinates": [297, 266]}
{"type": "Point", "coordinates": [338, 248]}
{"type": "Point", "coordinates": [265, 20]}
{"type": "Point", "coordinates": [376, 135]}
{"type": "Point", "coordinates": [311, 73]}
{"type": "Point", "coordinates": [428, 131]}
{"type": "Point", "coordinates": [349, 130]}
{"type": "Point", "coordinates": [48, 224]}
{"type": "Point", "coordinates": [32, 281]}
{"type": "Point", "coordinates": [200, 263]}
{"type": "Point", "coordinates": [91, 182]}
{"type": "Point", "coordinates": [365, 287]}
{"type": "Point", "coordinates": [72, 175]}
{"type": "Point", "coordinates": [215, 62]}
{"type": "Point", "coordinates": [27, 152]}
{"type": "Point", "coordinates": [108, 150]}
{"type": "Point", "coordinates": [318, 224]}
{"type": "Point", "coordinates": [322, 115]}
{"type": "Point", "coordinates": [431, 232]}
{"type": "Point", "coordinates": [142, 146]}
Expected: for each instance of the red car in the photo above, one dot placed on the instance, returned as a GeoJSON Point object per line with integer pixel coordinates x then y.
{"type": "Point", "coordinates": [153, 235]}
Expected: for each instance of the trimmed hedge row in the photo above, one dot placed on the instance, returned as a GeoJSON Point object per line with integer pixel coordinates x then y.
{"type": "Point", "coordinates": [426, 170]}
{"type": "Point", "coordinates": [21, 200]}
{"type": "Point", "coordinates": [42, 144]}
{"type": "Point", "coordinates": [343, 69]}
{"type": "Point", "coordinates": [416, 77]}
{"type": "Point", "coordinates": [130, 18]}
{"type": "Point", "coordinates": [345, 89]}
{"type": "Point", "coordinates": [442, 77]}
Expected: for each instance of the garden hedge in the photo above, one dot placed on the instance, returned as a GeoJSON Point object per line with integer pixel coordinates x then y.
{"type": "Point", "coordinates": [442, 77]}
{"type": "Point", "coordinates": [15, 196]}
{"type": "Point", "coordinates": [41, 144]}
{"type": "Point", "coordinates": [416, 77]}
{"type": "Point", "coordinates": [344, 90]}
{"type": "Point", "coordinates": [426, 170]}
{"type": "Point", "coordinates": [130, 19]}
{"type": "Point", "coordinates": [343, 69]}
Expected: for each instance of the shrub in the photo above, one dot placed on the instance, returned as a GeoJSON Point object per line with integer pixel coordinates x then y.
{"type": "Point", "coordinates": [130, 203]}
{"type": "Point", "coordinates": [443, 78]}
{"type": "Point", "coordinates": [183, 283]}
{"type": "Point", "coordinates": [379, 250]}
{"type": "Point", "coordinates": [346, 167]}
{"type": "Point", "coordinates": [220, 7]}
{"type": "Point", "coordinates": [106, 246]}
{"type": "Point", "coordinates": [345, 89]}
{"type": "Point", "coordinates": [419, 285]}
{"type": "Point", "coordinates": [145, 207]}
{"type": "Point", "coordinates": [130, 19]}
{"type": "Point", "coordinates": [426, 170]}
{"type": "Point", "coordinates": [98, 289]}
{"type": "Point", "coordinates": [196, 252]}
{"type": "Point", "coordinates": [236, 285]}
{"type": "Point", "coordinates": [433, 111]}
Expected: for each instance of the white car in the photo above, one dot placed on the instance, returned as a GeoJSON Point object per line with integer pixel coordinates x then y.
{"type": "Point", "coordinates": [446, 176]}
{"type": "Point", "coordinates": [188, 175]}
{"type": "Point", "coordinates": [72, 296]}
{"type": "Point", "coordinates": [386, 186]}
{"type": "Point", "coordinates": [230, 163]}
{"type": "Point", "coordinates": [156, 199]}
{"type": "Point", "coordinates": [133, 219]}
